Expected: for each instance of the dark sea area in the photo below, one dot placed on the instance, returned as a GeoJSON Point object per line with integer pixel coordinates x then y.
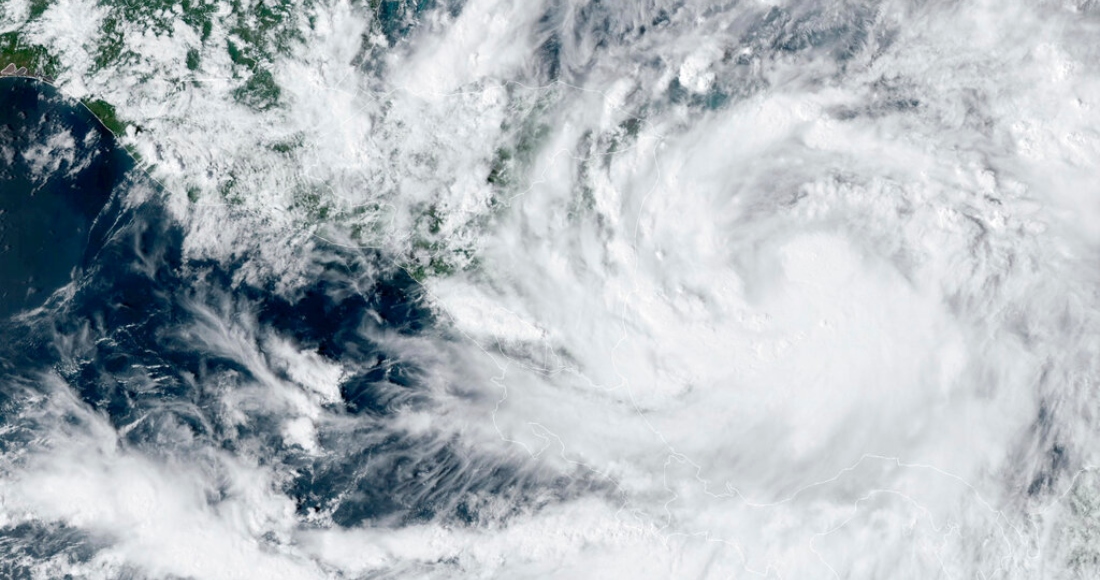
{"type": "Point", "coordinates": [97, 293]}
{"type": "Point", "coordinates": [47, 213]}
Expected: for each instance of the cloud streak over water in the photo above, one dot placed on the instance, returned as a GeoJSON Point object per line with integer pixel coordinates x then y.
{"type": "Point", "coordinates": [577, 289]}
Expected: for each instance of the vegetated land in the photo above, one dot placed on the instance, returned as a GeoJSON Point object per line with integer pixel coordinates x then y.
{"type": "Point", "coordinates": [14, 50]}
{"type": "Point", "coordinates": [254, 35]}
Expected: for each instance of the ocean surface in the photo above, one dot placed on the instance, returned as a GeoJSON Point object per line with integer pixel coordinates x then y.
{"type": "Point", "coordinates": [59, 169]}
{"type": "Point", "coordinates": [107, 325]}
{"type": "Point", "coordinates": [562, 289]}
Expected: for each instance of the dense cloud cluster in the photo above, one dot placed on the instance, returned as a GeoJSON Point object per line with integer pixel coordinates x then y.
{"type": "Point", "coordinates": [565, 289]}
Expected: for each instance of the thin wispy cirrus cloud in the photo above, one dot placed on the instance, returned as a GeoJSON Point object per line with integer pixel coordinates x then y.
{"type": "Point", "coordinates": [795, 289]}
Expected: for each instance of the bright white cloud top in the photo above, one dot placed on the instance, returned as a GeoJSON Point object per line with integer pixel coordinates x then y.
{"type": "Point", "coordinates": [701, 290]}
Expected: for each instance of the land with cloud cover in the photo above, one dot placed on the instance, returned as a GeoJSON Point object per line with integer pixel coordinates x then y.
{"type": "Point", "coordinates": [563, 289]}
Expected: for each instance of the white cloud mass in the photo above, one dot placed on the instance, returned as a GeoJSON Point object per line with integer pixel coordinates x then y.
{"type": "Point", "coordinates": [721, 290]}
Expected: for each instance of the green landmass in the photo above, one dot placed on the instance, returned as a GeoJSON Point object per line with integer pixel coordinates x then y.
{"type": "Point", "coordinates": [38, 7]}
{"type": "Point", "coordinates": [193, 60]}
{"type": "Point", "coordinates": [14, 49]}
{"type": "Point", "coordinates": [106, 115]}
{"type": "Point", "coordinates": [255, 34]}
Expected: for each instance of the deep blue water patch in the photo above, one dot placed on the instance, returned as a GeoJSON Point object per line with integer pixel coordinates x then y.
{"type": "Point", "coordinates": [162, 348]}
{"type": "Point", "coordinates": [58, 167]}
{"type": "Point", "coordinates": [146, 367]}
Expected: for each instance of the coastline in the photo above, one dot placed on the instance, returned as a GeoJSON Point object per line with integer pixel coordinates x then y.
{"type": "Point", "coordinates": [12, 71]}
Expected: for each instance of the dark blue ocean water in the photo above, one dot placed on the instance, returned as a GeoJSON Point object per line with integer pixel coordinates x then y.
{"type": "Point", "coordinates": [47, 213]}
{"type": "Point", "coordinates": [131, 338]}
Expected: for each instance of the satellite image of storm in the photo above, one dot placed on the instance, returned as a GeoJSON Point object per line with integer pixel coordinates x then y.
{"type": "Point", "coordinates": [549, 289]}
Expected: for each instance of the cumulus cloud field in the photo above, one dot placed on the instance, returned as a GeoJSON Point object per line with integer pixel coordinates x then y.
{"type": "Point", "coordinates": [566, 289]}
